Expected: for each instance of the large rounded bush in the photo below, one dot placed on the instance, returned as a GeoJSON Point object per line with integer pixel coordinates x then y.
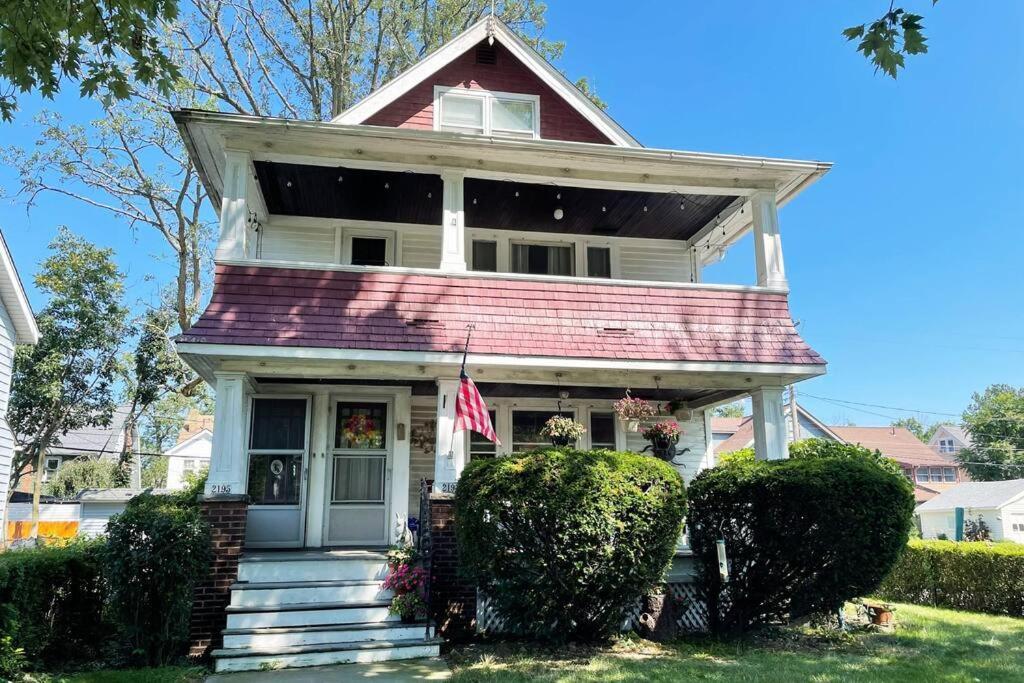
{"type": "Point", "coordinates": [802, 536]}
{"type": "Point", "coordinates": [157, 550]}
{"type": "Point", "coordinates": [564, 541]}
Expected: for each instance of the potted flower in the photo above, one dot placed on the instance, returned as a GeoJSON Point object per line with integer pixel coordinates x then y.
{"type": "Point", "coordinates": [562, 430]}
{"type": "Point", "coordinates": [631, 410]}
{"type": "Point", "coordinates": [663, 437]}
{"type": "Point", "coordinates": [406, 582]}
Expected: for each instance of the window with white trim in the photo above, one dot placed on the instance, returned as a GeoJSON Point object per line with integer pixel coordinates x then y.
{"type": "Point", "coordinates": [480, 446]}
{"type": "Point", "coordinates": [366, 247]}
{"type": "Point", "coordinates": [464, 110]}
{"type": "Point", "coordinates": [51, 465]}
{"type": "Point", "coordinates": [602, 430]}
{"type": "Point", "coordinates": [599, 262]}
{"type": "Point", "coordinates": [484, 255]}
{"type": "Point", "coordinates": [542, 258]}
{"type": "Point", "coordinates": [526, 426]}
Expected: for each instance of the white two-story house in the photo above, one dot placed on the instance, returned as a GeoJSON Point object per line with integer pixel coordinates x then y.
{"type": "Point", "coordinates": [481, 188]}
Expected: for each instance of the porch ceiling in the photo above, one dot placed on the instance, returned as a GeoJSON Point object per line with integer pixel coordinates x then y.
{"type": "Point", "coordinates": [408, 197]}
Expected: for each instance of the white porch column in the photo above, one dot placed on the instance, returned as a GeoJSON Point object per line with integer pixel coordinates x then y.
{"type": "Point", "coordinates": [450, 448]}
{"type": "Point", "coordinates": [769, 424]}
{"type": "Point", "coordinates": [227, 458]}
{"type": "Point", "coordinates": [400, 463]}
{"type": "Point", "coordinates": [234, 208]}
{"type": "Point", "coordinates": [771, 272]}
{"type": "Point", "coordinates": [453, 223]}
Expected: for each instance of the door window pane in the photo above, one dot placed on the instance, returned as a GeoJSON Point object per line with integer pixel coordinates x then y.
{"type": "Point", "coordinates": [526, 426]}
{"type": "Point", "coordinates": [599, 262]}
{"type": "Point", "coordinates": [278, 424]}
{"type": "Point", "coordinates": [602, 430]}
{"type": "Point", "coordinates": [361, 426]}
{"type": "Point", "coordinates": [512, 115]}
{"type": "Point", "coordinates": [485, 256]}
{"type": "Point", "coordinates": [479, 446]}
{"type": "Point", "coordinates": [369, 251]}
{"type": "Point", "coordinates": [542, 259]}
{"type": "Point", "coordinates": [458, 113]}
{"type": "Point", "coordinates": [274, 479]}
{"type": "Point", "coordinates": [358, 479]}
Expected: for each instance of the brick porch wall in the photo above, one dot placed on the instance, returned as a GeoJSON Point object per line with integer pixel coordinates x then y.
{"type": "Point", "coordinates": [226, 517]}
{"type": "Point", "coordinates": [453, 599]}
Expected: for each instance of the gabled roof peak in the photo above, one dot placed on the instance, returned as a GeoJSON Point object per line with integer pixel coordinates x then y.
{"type": "Point", "coordinates": [490, 28]}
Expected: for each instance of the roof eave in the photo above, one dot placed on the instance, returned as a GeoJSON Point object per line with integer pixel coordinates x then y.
{"type": "Point", "coordinates": [25, 328]}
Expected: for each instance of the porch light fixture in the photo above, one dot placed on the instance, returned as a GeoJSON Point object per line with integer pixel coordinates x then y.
{"type": "Point", "coordinates": [559, 214]}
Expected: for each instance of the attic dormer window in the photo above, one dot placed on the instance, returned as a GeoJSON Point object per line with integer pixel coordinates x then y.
{"type": "Point", "coordinates": [462, 110]}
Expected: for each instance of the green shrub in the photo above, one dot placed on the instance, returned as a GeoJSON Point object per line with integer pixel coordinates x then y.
{"type": "Point", "coordinates": [807, 449]}
{"type": "Point", "coordinates": [802, 536]}
{"type": "Point", "coordinates": [564, 541]}
{"type": "Point", "coordinates": [51, 604]}
{"type": "Point", "coordinates": [979, 577]}
{"type": "Point", "coordinates": [80, 474]}
{"type": "Point", "coordinates": [156, 551]}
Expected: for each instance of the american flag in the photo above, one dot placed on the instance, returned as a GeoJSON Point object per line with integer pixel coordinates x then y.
{"type": "Point", "coordinates": [471, 411]}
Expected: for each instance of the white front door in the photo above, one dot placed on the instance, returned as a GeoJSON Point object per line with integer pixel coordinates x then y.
{"type": "Point", "coordinates": [359, 472]}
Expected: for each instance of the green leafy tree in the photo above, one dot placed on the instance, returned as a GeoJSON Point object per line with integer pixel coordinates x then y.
{"type": "Point", "coordinates": [921, 430]}
{"type": "Point", "coordinates": [995, 421]}
{"type": "Point", "coordinates": [888, 40]}
{"type": "Point", "coordinates": [105, 45]}
{"type": "Point", "coordinates": [80, 474]}
{"type": "Point", "coordinates": [66, 381]}
{"type": "Point", "coordinates": [154, 472]}
{"type": "Point", "coordinates": [729, 410]}
{"type": "Point", "coordinates": [817, 449]}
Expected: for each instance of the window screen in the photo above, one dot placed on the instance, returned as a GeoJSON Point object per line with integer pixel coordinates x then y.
{"type": "Point", "coordinates": [277, 444]}
{"type": "Point", "coordinates": [602, 430]}
{"type": "Point", "coordinates": [479, 447]}
{"type": "Point", "coordinates": [462, 113]}
{"type": "Point", "coordinates": [278, 424]}
{"type": "Point", "coordinates": [599, 262]}
{"type": "Point", "coordinates": [542, 259]}
{"type": "Point", "coordinates": [526, 426]}
{"type": "Point", "coordinates": [369, 251]}
{"type": "Point", "coordinates": [512, 117]}
{"type": "Point", "coordinates": [485, 256]}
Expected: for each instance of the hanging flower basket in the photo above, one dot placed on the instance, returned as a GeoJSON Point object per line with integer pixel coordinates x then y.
{"type": "Point", "coordinates": [632, 410]}
{"type": "Point", "coordinates": [663, 437]}
{"type": "Point", "coordinates": [562, 430]}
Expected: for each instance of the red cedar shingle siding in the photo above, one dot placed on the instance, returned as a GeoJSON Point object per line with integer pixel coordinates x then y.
{"type": "Point", "coordinates": [396, 312]}
{"type": "Point", "coordinates": [558, 120]}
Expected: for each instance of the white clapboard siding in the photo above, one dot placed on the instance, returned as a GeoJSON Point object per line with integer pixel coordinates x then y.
{"type": "Point", "coordinates": [421, 461]}
{"type": "Point", "coordinates": [95, 516]}
{"type": "Point", "coordinates": [6, 438]}
{"type": "Point", "coordinates": [312, 243]}
{"type": "Point", "coordinates": [667, 261]}
{"type": "Point", "coordinates": [48, 512]}
{"type": "Point", "coordinates": [693, 437]}
{"type": "Point", "coordinates": [421, 248]}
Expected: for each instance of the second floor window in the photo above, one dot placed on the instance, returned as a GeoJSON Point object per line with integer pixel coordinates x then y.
{"type": "Point", "coordinates": [463, 110]}
{"type": "Point", "coordinates": [369, 251]}
{"type": "Point", "coordinates": [485, 256]}
{"type": "Point", "coordinates": [542, 259]}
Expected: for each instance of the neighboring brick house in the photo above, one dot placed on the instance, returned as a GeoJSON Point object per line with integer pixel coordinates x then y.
{"type": "Point", "coordinates": [930, 472]}
{"type": "Point", "coordinates": [481, 188]}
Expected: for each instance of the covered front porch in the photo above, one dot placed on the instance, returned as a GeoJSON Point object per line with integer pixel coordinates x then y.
{"type": "Point", "coordinates": [330, 457]}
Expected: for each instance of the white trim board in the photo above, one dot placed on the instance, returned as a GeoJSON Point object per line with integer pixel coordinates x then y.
{"type": "Point", "coordinates": [482, 30]}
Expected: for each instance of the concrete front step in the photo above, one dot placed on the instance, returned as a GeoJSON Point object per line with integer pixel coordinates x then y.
{"type": "Point", "coordinates": [275, 637]}
{"type": "Point", "coordinates": [310, 615]}
{"type": "Point", "coordinates": [327, 653]}
{"type": "Point", "coordinates": [330, 565]}
{"type": "Point", "coordinates": [307, 593]}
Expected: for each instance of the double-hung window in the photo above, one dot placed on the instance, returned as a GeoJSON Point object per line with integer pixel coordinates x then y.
{"type": "Point", "coordinates": [526, 426]}
{"type": "Point", "coordinates": [464, 110]}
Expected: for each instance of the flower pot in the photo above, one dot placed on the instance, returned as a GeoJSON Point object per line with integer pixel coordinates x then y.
{"type": "Point", "coordinates": [561, 441]}
{"type": "Point", "coordinates": [632, 425]}
{"type": "Point", "coordinates": [664, 448]}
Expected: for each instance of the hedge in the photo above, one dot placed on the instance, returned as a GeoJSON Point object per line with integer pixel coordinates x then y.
{"type": "Point", "coordinates": [51, 603]}
{"type": "Point", "coordinates": [802, 536]}
{"type": "Point", "coordinates": [564, 541]}
{"type": "Point", "coordinates": [978, 577]}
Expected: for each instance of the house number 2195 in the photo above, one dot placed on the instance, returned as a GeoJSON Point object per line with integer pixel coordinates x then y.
{"type": "Point", "coordinates": [221, 488]}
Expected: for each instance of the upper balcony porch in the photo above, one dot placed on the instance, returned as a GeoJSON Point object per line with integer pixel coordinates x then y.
{"type": "Point", "coordinates": [327, 195]}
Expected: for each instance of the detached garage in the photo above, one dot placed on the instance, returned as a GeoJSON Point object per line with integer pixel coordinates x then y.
{"type": "Point", "coordinates": [999, 503]}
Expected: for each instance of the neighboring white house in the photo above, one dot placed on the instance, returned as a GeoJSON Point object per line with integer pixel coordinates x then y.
{"type": "Point", "coordinates": [17, 326]}
{"type": "Point", "coordinates": [188, 457]}
{"type": "Point", "coordinates": [949, 439]}
{"type": "Point", "coordinates": [999, 503]}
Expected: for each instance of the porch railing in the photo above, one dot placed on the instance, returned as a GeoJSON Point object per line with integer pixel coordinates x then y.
{"type": "Point", "coordinates": [424, 546]}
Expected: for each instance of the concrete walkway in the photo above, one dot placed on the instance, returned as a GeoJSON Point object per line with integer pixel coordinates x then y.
{"type": "Point", "coordinates": [432, 669]}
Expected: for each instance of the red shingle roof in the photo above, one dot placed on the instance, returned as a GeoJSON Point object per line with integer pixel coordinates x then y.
{"type": "Point", "coordinates": [898, 443]}
{"type": "Point", "coordinates": [402, 312]}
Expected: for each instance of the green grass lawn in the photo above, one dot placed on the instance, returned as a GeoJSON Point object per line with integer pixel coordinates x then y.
{"type": "Point", "coordinates": [166, 674]}
{"type": "Point", "coordinates": [928, 645]}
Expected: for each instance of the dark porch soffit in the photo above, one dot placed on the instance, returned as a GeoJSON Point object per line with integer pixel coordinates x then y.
{"type": "Point", "coordinates": [407, 197]}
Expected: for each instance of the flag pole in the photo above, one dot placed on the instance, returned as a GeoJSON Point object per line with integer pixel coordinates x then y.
{"type": "Point", "coordinates": [465, 350]}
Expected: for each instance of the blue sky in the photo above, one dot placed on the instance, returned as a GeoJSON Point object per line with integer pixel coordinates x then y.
{"type": "Point", "coordinates": [904, 261]}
